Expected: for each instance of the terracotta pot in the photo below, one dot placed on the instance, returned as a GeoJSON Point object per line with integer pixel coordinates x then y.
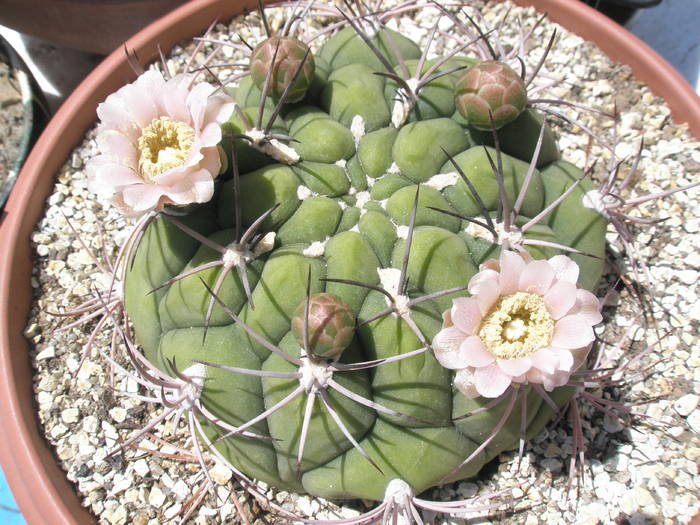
{"type": "Point", "coordinates": [97, 26]}
{"type": "Point", "coordinates": [39, 485]}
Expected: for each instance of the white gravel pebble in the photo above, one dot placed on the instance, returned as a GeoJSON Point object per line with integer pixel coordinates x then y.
{"type": "Point", "coordinates": [694, 421]}
{"type": "Point", "coordinates": [156, 497]}
{"type": "Point", "coordinates": [686, 404]}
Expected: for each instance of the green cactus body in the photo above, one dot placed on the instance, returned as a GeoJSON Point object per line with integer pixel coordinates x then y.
{"type": "Point", "coordinates": [343, 213]}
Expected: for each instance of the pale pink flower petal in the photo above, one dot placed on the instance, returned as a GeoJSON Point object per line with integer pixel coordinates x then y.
{"type": "Point", "coordinates": [587, 306]}
{"type": "Point", "coordinates": [536, 278]}
{"type": "Point", "coordinates": [210, 135]}
{"type": "Point", "coordinates": [514, 367]}
{"type": "Point", "coordinates": [465, 314]}
{"type": "Point", "coordinates": [555, 380]}
{"type": "Point", "coordinates": [197, 188]}
{"type": "Point", "coordinates": [545, 360]}
{"type": "Point", "coordinates": [560, 299]}
{"type": "Point", "coordinates": [572, 331]}
{"type": "Point", "coordinates": [512, 266]}
{"type": "Point", "coordinates": [104, 175]}
{"type": "Point", "coordinates": [211, 160]}
{"type": "Point", "coordinates": [580, 355]}
{"type": "Point", "coordinates": [566, 360]}
{"type": "Point", "coordinates": [174, 100]}
{"type": "Point", "coordinates": [447, 342]}
{"type": "Point", "coordinates": [485, 289]}
{"type": "Point", "coordinates": [140, 197]}
{"type": "Point", "coordinates": [474, 352]}
{"type": "Point", "coordinates": [115, 145]}
{"type": "Point", "coordinates": [447, 318]}
{"type": "Point", "coordinates": [484, 277]}
{"type": "Point", "coordinates": [199, 102]}
{"type": "Point", "coordinates": [490, 381]}
{"type": "Point", "coordinates": [535, 376]}
{"type": "Point", "coordinates": [464, 382]}
{"type": "Point", "coordinates": [565, 269]}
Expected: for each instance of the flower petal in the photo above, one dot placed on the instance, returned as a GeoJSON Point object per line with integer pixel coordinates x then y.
{"type": "Point", "coordinates": [537, 277]}
{"type": "Point", "coordinates": [572, 331]}
{"type": "Point", "coordinates": [490, 381]}
{"type": "Point", "coordinates": [142, 197]}
{"type": "Point", "coordinates": [545, 360]}
{"type": "Point", "coordinates": [485, 289]}
{"type": "Point", "coordinates": [175, 101]}
{"type": "Point", "coordinates": [555, 380]}
{"type": "Point", "coordinates": [512, 265]}
{"type": "Point", "coordinates": [560, 298]}
{"type": "Point", "coordinates": [587, 306]}
{"type": "Point", "coordinates": [464, 382]}
{"type": "Point", "coordinates": [446, 345]}
{"type": "Point", "coordinates": [580, 355]}
{"type": "Point", "coordinates": [474, 353]}
{"type": "Point", "coordinates": [566, 360]}
{"type": "Point", "coordinates": [105, 177]}
{"type": "Point", "coordinates": [515, 367]}
{"type": "Point", "coordinates": [465, 314]}
{"type": "Point", "coordinates": [565, 269]}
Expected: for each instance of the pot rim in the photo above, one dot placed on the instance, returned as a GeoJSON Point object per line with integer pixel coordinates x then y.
{"type": "Point", "coordinates": [622, 46]}
{"type": "Point", "coordinates": [39, 485]}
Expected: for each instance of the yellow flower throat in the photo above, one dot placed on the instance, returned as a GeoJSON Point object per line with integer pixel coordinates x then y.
{"type": "Point", "coordinates": [517, 326]}
{"type": "Point", "coordinates": [163, 144]}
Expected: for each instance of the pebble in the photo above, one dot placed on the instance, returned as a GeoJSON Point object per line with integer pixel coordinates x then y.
{"type": "Point", "coordinates": [141, 468]}
{"type": "Point", "coordinates": [551, 464]}
{"type": "Point", "coordinates": [694, 421]}
{"type": "Point", "coordinates": [220, 473]}
{"type": "Point", "coordinates": [686, 404]}
{"type": "Point", "coordinates": [118, 414]}
{"type": "Point", "coordinates": [70, 415]}
{"type": "Point", "coordinates": [156, 497]}
{"type": "Point", "coordinates": [46, 353]}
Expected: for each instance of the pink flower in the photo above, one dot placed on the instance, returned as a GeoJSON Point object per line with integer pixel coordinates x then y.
{"type": "Point", "coordinates": [526, 322]}
{"type": "Point", "coordinates": [158, 142]}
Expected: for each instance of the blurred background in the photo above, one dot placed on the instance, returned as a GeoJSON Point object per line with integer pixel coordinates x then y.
{"type": "Point", "coordinates": [48, 46]}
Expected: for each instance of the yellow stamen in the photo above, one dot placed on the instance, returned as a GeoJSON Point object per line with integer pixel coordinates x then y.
{"type": "Point", "coordinates": [163, 144]}
{"type": "Point", "coordinates": [517, 326]}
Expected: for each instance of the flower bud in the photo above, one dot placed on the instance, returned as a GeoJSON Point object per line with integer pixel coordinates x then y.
{"type": "Point", "coordinates": [490, 86]}
{"type": "Point", "coordinates": [331, 325]}
{"type": "Point", "coordinates": [289, 54]}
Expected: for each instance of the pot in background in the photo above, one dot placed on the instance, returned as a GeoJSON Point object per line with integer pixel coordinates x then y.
{"type": "Point", "coordinates": [96, 26]}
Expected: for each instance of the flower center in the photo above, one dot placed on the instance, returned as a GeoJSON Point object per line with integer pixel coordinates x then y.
{"type": "Point", "coordinates": [163, 145]}
{"type": "Point", "coordinates": [517, 326]}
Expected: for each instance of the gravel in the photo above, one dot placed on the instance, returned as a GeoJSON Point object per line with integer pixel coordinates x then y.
{"type": "Point", "coordinates": [12, 121]}
{"type": "Point", "coordinates": [646, 472]}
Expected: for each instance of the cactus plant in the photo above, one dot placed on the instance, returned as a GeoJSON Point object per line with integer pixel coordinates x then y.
{"type": "Point", "coordinates": [312, 296]}
{"type": "Point", "coordinates": [380, 216]}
